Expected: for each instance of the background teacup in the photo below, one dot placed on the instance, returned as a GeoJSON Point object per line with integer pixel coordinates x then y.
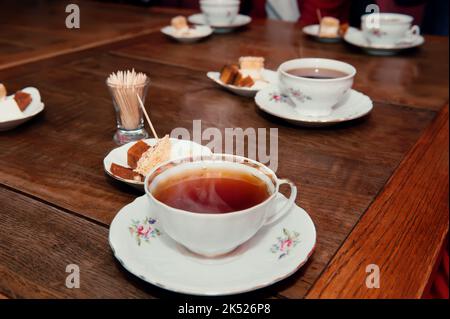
{"type": "Point", "coordinates": [388, 28]}
{"type": "Point", "coordinates": [312, 96]}
{"type": "Point", "coordinates": [216, 234]}
{"type": "Point", "coordinates": [220, 12]}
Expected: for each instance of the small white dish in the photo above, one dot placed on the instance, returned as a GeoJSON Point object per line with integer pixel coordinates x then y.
{"type": "Point", "coordinates": [274, 253]}
{"type": "Point", "coordinates": [269, 76]}
{"type": "Point", "coordinates": [313, 31]}
{"type": "Point", "coordinates": [194, 34]}
{"type": "Point", "coordinates": [179, 149]}
{"type": "Point", "coordinates": [238, 22]}
{"type": "Point", "coordinates": [35, 107]}
{"type": "Point", "coordinates": [356, 37]}
{"type": "Point", "coordinates": [355, 105]}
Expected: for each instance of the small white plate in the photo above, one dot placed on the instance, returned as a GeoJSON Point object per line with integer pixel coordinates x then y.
{"type": "Point", "coordinates": [35, 107]}
{"type": "Point", "coordinates": [195, 34]}
{"type": "Point", "coordinates": [313, 31]}
{"type": "Point", "coordinates": [274, 253]}
{"type": "Point", "coordinates": [238, 22]}
{"type": "Point", "coordinates": [355, 105]}
{"type": "Point", "coordinates": [269, 76]}
{"type": "Point", "coordinates": [179, 149]}
{"type": "Point", "coordinates": [355, 37]}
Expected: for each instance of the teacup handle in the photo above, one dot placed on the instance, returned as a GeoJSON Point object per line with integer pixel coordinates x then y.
{"type": "Point", "coordinates": [287, 206]}
{"type": "Point", "coordinates": [414, 31]}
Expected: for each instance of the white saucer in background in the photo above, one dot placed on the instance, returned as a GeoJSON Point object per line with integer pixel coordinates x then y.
{"type": "Point", "coordinates": [195, 34]}
{"type": "Point", "coordinates": [269, 76]}
{"type": "Point", "coordinates": [355, 37]}
{"type": "Point", "coordinates": [35, 107]}
{"type": "Point", "coordinates": [179, 149]}
{"type": "Point", "coordinates": [313, 31]}
{"type": "Point", "coordinates": [238, 22]}
{"type": "Point", "coordinates": [271, 101]}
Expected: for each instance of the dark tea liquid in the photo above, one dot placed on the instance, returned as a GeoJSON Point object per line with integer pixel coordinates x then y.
{"type": "Point", "coordinates": [317, 73]}
{"type": "Point", "coordinates": [212, 191]}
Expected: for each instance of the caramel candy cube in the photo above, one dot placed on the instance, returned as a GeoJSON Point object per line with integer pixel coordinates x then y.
{"type": "Point", "coordinates": [135, 152]}
{"type": "Point", "coordinates": [22, 99]}
{"type": "Point", "coordinates": [125, 172]}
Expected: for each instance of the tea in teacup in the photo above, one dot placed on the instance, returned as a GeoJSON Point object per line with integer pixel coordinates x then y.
{"type": "Point", "coordinates": [212, 191]}
{"type": "Point", "coordinates": [317, 73]}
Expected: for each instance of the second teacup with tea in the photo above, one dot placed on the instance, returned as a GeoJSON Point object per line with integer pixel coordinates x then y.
{"type": "Point", "coordinates": [213, 204]}
{"type": "Point", "coordinates": [315, 86]}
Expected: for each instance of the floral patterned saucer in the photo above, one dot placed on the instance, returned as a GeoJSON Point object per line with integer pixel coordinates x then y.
{"type": "Point", "coordinates": [277, 251]}
{"type": "Point", "coordinates": [271, 101]}
{"type": "Point", "coordinates": [355, 37]}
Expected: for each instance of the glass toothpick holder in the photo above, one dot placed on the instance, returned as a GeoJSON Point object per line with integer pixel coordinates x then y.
{"type": "Point", "coordinates": [129, 115]}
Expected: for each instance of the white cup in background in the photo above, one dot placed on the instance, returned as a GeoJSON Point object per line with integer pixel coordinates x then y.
{"type": "Point", "coordinates": [312, 96]}
{"type": "Point", "coordinates": [220, 12]}
{"type": "Point", "coordinates": [388, 28]}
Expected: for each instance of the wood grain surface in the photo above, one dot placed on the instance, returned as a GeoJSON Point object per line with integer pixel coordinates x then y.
{"type": "Point", "coordinates": [52, 172]}
{"type": "Point", "coordinates": [416, 199]}
{"type": "Point", "coordinates": [38, 242]}
{"type": "Point", "coordinates": [32, 30]}
{"type": "Point", "coordinates": [58, 156]}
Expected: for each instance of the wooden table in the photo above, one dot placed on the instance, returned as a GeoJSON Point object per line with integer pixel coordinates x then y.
{"type": "Point", "coordinates": [377, 188]}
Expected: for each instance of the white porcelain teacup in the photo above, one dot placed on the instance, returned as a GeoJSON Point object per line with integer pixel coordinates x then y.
{"type": "Point", "coordinates": [388, 28]}
{"type": "Point", "coordinates": [220, 12]}
{"type": "Point", "coordinates": [314, 96]}
{"type": "Point", "coordinates": [216, 234]}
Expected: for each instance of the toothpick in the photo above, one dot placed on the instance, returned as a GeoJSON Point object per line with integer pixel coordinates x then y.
{"type": "Point", "coordinates": [319, 15]}
{"type": "Point", "coordinates": [146, 116]}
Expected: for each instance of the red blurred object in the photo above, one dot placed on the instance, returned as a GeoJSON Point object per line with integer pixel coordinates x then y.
{"type": "Point", "coordinates": [438, 286]}
{"type": "Point", "coordinates": [339, 9]}
{"type": "Point", "coordinates": [258, 9]}
{"type": "Point", "coordinates": [189, 4]}
{"type": "Point", "coordinates": [308, 9]}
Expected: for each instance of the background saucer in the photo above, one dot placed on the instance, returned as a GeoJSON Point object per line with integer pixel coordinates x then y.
{"type": "Point", "coordinates": [35, 107]}
{"type": "Point", "coordinates": [238, 22]}
{"type": "Point", "coordinates": [270, 76]}
{"type": "Point", "coordinates": [355, 105]}
{"type": "Point", "coordinates": [179, 149]}
{"type": "Point", "coordinates": [355, 37]}
{"type": "Point", "coordinates": [313, 31]}
{"type": "Point", "coordinates": [201, 32]}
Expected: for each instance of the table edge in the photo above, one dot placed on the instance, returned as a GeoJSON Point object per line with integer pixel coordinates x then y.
{"type": "Point", "coordinates": [336, 283]}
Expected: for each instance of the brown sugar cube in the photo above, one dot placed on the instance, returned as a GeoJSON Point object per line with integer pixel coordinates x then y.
{"type": "Point", "coordinates": [237, 79]}
{"type": "Point", "coordinates": [135, 152]}
{"type": "Point", "coordinates": [247, 81]}
{"type": "Point", "coordinates": [343, 29]}
{"type": "Point", "coordinates": [125, 172]}
{"type": "Point", "coordinates": [244, 81]}
{"type": "Point", "coordinates": [228, 73]}
{"type": "Point", "coordinates": [22, 99]}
